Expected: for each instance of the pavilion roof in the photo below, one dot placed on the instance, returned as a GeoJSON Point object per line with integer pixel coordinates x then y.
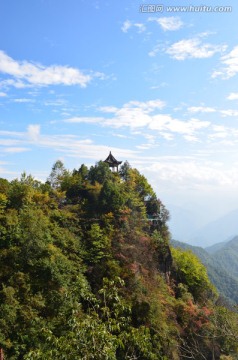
{"type": "Point", "coordinates": [112, 161]}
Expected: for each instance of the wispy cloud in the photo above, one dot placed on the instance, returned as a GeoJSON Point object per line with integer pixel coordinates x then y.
{"type": "Point", "coordinates": [68, 145]}
{"type": "Point", "coordinates": [183, 171]}
{"type": "Point", "coordinates": [187, 128]}
{"type": "Point", "coordinates": [229, 112]}
{"type": "Point", "coordinates": [230, 134]}
{"type": "Point", "coordinates": [15, 150]}
{"type": "Point", "coordinates": [229, 65]}
{"type": "Point", "coordinates": [86, 120]}
{"type": "Point", "coordinates": [140, 27]}
{"type": "Point", "coordinates": [219, 132]}
{"type": "Point", "coordinates": [126, 26]}
{"type": "Point", "coordinates": [192, 173]}
{"type": "Point", "coordinates": [201, 109]}
{"type": "Point", "coordinates": [155, 50]}
{"type": "Point", "coordinates": [170, 23]}
{"type": "Point", "coordinates": [25, 73]}
{"type": "Point", "coordinates": [24, 100]}
{"type": "Point", "coordinates": [33, 132]}
{"type": "Point", "coordinates": [193, 48]}
{"type": "Point", "coordinates": [133, 114]}
{"type": "Point", "coordinates": [232, 96]}
{"type": "Point", "coordinates": [146, 115]}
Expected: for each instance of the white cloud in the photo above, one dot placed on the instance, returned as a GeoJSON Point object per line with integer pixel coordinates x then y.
{"type": "Point", "coordinates": [232, 96]}
{"type": "Point", "coordinates": [202, 109]}
{"type": "Point", "coordinates": [187, 128]}
{"type": "Point", "coordinates": [230, 62]}
{"type": "Point", "coordinates": [191, 138]}
{"type": "Point", "coordinates": [155, 50]}
{"type": "Point", "coordinates": [33, 132]}
{"type": "Point", "coordinates": [108, 109]}
{"type": "Point", "coordinates": [68, 145]}
{"type": "Point", "coordinates": [166, 135]}
{"type": "Point", "coordinates": [2, 94]}
{"type": "Point", "coordinates": [219, 128]}
{"type": "Point", "coordinates": [56, 102]}
{"type": "Point", "coordinates": [190, 174]}
{"type": "Point", "coordinates": [14, 82]}
{"type": "Point", "coordinates": [128, 25]}
{"type": "Point", "coordinates": [219, 132]}
{"type": "Point", "coordinates": [218, 135]}
{"type": "Point", "coordinates": [146, 106]}
{"type": "Point", "coordinates": [229, 112]}
{"type": "Point", "coordinates": [133, 114]}
{"type": "Point", "coordinates": [24, 100]}
{"type": "Point", "coordinates": [87, 120]}
{"type": "Point", "coordinates": [15, 150]}
{"type": "Point", "coordinates": [141, 27]}
{"type": "Point", "coordinates": [171, 23]}
{"type": "Point", "coordinates": [121, 136]}
{"type": "Point", "coordinates": [8, 133]}
{"type": "Point", "coordinates": [144, 147]}
{"type": "Point", "coordinates": [193, 48]}
{"type": "Point", "coordinates": [136, 115]}
{"type": "Point", "coordinates": [27, 73]}
{"type": "Point", "coordinates": [9, 142]}
{"type": "Point", "coordinates": [224, 132]}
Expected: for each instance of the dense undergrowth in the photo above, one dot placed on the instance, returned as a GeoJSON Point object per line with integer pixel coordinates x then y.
{"type": "Point", "coordinates": [87, 272]}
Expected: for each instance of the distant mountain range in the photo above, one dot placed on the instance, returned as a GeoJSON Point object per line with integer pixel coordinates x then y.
{"type": "Point", "coordinates": [183, 223]}
{"type": "Point", "coordinates": [184, 227]}
{"type": "Point", "coordinates": [221, 261]}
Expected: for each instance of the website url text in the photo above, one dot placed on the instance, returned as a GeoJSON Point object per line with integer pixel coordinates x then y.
{"type": "Point", "coordinates": [155, 8]}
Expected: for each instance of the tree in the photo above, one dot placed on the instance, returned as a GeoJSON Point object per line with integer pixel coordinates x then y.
{"type": "Point", "coordinates": [191, 272]}
{"type": "Point", "coordinates": [99, 173]}
{"type": "Point", "coordinates": [82, 171]}
{"type": "Point", "coordinates": [86, 278]}
{"type": "Point", "coordinates": [111, 197]}
{"type": "Point", "coordinates": [124, 171]}
{"type": "Point", "coordinates": [57, 174]}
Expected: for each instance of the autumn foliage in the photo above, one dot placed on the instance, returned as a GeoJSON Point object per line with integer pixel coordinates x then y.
{"type": "Point", "coordinates": [87, 272]}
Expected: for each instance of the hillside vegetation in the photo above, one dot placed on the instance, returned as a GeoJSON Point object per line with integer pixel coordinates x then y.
{"type": "Point", "coordinates": [85, 275]}
{"type": "Point", "coordinates": [222, 265]}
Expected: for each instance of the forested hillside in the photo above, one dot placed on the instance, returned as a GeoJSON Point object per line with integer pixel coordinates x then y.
{"type": "Point", "coordinates": [222, 265]}
{"type": "Point", "coordinates": [87, 272]}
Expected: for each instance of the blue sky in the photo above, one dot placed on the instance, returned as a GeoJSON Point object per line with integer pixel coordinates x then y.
{"type": "Point", "coordinates": [156, 86]}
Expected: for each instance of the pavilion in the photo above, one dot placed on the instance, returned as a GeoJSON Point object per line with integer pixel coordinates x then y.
{"type": "Point", "coordinates": [112, 162]}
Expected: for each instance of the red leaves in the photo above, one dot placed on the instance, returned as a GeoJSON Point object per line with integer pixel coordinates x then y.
{"type": "Point", "coordinates": [193, 317]}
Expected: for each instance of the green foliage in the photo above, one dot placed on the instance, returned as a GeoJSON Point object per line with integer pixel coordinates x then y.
{"type": "Point", "coordinates": [192, 273]}
{"type": "Point", "coordinates": [111, 197]}
{"type": "Point", "coordinates": [85, 275]}
{"type": "Point", "coordinates": [57, 175]}
{"type": "Point", "coordinates": [99, 173]}
{"type": "Point", "coordinates": [104, 332]}
{"type": "Point", "coordinates": [218, 270]}
{"type": "Point", "coordinates": [125, 171]}
{"type": "Point", "coordinates": [98, 244]}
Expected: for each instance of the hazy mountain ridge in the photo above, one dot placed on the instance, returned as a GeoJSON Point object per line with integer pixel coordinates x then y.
{"type": "Point", "coordinates": [222, 265]}
{"type": "Point", "coordinates": [217, 231]}
{"type": "Point", "coordinates": [215, 247]}
{"type": "Point", "coordinates": [228, 256]}
{"type": "Point", "coordinates": [183, 222]}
